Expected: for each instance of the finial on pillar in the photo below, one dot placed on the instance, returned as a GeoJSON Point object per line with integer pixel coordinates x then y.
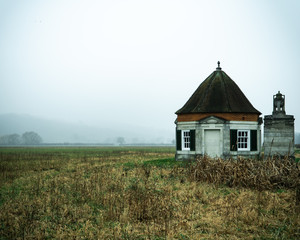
{"type": "Point", "coordinates": [278, 103]}
{"type": "Point", "coordinates": [219, 68]}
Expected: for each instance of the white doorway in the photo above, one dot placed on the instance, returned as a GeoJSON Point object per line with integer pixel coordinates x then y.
{"type": "Point", "coordinates": [212, 142]}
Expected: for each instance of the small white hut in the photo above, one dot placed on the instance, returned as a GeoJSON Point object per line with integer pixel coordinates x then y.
{"type": "Point", "coordinates": [218, 120]}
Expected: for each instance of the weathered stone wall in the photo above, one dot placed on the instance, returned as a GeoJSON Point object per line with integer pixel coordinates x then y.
{"type": "Point", "coordinates": [279, 138]}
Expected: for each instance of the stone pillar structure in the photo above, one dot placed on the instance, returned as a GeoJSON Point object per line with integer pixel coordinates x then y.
{"type": "Point", "coordinates": [279, 138]}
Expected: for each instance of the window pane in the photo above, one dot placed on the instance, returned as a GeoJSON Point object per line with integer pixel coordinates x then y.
{"type": "Point", "coordinates": [243, 139]}
{"type": "Point", "coordinates": [186, 140]}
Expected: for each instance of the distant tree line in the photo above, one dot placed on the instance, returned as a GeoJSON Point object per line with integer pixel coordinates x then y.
{"type": "Point", "coordinates": [27, 138]}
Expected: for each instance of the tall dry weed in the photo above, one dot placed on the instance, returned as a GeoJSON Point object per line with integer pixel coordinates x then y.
{"type": "Point", "coordinates": [269, 174]}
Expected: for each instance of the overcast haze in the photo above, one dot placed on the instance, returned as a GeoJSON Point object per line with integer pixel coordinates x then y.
{"type": "Point", "coordinates": [121, 64]}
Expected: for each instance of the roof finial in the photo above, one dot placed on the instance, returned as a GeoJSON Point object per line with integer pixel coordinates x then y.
{"type": "Point", "coordinates": [219, 68]}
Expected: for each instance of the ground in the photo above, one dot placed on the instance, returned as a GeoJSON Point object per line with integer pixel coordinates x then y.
{"type": "Point", "coordinates": [132, 193]}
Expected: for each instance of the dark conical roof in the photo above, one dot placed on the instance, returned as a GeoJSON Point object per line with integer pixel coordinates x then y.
{"type": "Point", "coordinates": [218, 94]}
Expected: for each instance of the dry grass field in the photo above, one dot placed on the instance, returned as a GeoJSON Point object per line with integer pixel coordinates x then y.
{"type": "Point", "coordinates": [142, 193]}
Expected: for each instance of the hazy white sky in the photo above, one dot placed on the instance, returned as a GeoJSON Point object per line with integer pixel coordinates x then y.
{"type": "Point", "coordinates": [137, 62]}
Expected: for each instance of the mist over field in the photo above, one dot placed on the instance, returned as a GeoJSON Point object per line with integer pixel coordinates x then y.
{"type": "Point", "coordinates": [55, 131]}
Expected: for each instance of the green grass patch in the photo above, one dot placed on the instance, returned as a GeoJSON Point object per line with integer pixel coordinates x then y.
{"type": "Point", "coordinates": [297, 155]}
{"type": "Point", "coordinates": [163, 163]}
{"type": "Point", "coordinates": [9, 193]}
{"type": "Point", "coordinates": [160, 163]}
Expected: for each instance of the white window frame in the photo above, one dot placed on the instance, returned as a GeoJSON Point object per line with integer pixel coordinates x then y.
{"type": "Point", "coordinates": [186, 139]}
{"type": "Point", "coordinates": [243, 140]}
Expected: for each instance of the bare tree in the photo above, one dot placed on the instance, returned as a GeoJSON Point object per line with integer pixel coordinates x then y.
{"type": "Point", "coordinates": [121, 140]}
{"type": "Point", "coordinates": [31, 138]}
{"type": "Point", "coordinates": [12, 139]}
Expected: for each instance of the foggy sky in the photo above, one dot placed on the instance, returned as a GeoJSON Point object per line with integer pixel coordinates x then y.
{"type": "Point", "coordinates": [109, 63]}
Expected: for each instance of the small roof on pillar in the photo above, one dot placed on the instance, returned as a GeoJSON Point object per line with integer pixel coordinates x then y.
{"type": "Point", "coordinates": [218, 94]}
